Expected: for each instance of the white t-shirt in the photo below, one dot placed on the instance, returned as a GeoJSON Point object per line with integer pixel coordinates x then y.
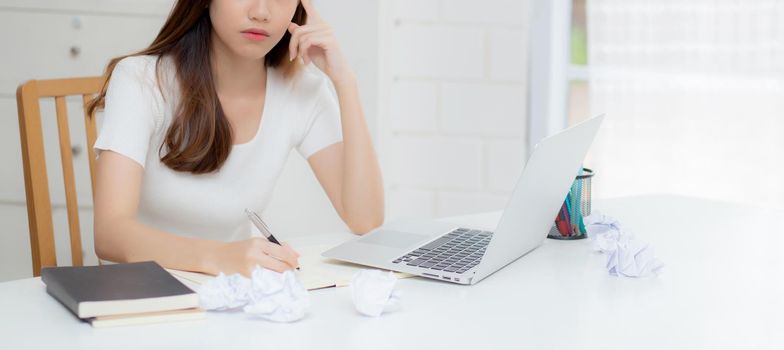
{"type": "Point", "coordinates": [300, 112]}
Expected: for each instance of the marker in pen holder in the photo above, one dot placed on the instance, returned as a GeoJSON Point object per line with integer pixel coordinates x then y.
{"type": "Point", "coordinates": [569, 221]}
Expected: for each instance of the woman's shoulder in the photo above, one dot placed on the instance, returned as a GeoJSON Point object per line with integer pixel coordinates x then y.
{"type": "Point", "coordinates": [145, 68]}
{"type": "Point", "coordinates": [138, 75]}
{"type": "Point", "coordinates": [155, 75]}
{"type": "Point", "coordinates": [138, 65]}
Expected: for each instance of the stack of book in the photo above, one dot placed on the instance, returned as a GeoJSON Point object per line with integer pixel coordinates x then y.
{"type": "Point", "coordinates": [122, 294]}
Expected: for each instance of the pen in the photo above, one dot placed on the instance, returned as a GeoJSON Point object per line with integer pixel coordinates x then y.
{"type": "Point", "coordinates": [567, 215]}
{"type": "Point", "coordinates": [256, 220]}
{"type": "Point", "coordinates": [574, 208]}
{"type": "Point", "coordinates": [561, 222]}
{"type": "Point", "coordinates": [580, 222]}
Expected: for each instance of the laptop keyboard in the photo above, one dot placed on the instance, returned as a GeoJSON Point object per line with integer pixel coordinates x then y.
{"type": "Point", "coordinates": [457, 251]}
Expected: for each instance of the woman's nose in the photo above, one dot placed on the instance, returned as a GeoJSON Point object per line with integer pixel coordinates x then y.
{"type": "Point", "coordinates": [259, 11]}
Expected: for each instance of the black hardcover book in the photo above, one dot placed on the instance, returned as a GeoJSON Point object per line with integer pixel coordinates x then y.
{"type": "Point", "coordinates": [117, 289]}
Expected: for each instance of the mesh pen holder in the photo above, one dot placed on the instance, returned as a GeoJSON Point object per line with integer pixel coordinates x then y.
{"type": "Point", "coordinates": [569, 221]}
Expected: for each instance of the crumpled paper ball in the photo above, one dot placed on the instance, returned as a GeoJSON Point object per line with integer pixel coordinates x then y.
{"type": "Point", "coordinates": [626, 255]}
{"type": "Point", "coordinates": [632, 258]}
{"type": "Point", "coordinates": [274, 296]}
{"type": "Point", "coordinates": [277, 297]}
{"type": "Point", "coordinates": [373, 292]}
{"type": "Point", "coordinates": [224, 292]}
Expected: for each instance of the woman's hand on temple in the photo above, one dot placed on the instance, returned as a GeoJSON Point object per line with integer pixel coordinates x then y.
{"type": "Point", "coordinates": [315, 42]}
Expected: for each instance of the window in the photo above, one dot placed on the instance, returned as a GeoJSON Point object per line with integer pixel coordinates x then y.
{"type": "Point", "coordinates": [692, 91]}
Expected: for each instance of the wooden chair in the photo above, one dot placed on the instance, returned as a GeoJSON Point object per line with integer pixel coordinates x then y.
{"type": "Point", "coordinates": [39, 208]}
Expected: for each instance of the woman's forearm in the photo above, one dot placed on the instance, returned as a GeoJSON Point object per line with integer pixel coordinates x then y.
{"type": "Point", "coordinates": [362, 189]}
{"type": "Point", "coordinates": [360, 199]}
{"type": "Point", "coordinates": [127, 240]}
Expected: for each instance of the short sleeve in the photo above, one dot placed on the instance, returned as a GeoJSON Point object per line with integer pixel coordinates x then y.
{"type": "Point", "coordinates": [323, 127]}
{"type": "Point", "coordinates": [131, 113]}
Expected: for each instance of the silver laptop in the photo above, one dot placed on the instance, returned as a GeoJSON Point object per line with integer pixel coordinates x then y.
{"type": "Point", "coordinates": [466, 255]}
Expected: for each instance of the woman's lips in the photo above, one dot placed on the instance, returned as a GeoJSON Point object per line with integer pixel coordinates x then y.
{"type": "Point", "coordinates": [255, 35]}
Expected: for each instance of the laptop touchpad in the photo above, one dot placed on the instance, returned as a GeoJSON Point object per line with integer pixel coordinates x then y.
{"type": "Point", "coordinates": [395, 239]}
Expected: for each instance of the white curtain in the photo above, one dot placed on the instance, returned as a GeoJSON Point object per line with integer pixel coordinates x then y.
{"type": "Point", "coordinates": [694, 97]}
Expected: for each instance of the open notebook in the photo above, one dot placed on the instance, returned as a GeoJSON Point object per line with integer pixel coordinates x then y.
{"type": "Point", "coordinates": [315, 272]}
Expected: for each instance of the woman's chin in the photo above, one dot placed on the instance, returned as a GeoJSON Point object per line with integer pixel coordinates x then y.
{"type": "Point", "coordinates": [252, 53]}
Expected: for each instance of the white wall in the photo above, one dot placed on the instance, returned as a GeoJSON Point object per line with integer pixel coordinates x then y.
{"type": "Point", "coordinates": [453, 120]}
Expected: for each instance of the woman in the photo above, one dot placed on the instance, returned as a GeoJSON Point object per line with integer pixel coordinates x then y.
{"type": "Point", "coordinates": [198, 126]}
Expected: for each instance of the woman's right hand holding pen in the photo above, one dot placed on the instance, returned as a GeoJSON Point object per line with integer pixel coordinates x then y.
{"type": "Point", "coordinates": [243, 257]}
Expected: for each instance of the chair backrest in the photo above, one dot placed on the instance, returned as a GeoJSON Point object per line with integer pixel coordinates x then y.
{"type": "Point", "coordinates": [39, 208]}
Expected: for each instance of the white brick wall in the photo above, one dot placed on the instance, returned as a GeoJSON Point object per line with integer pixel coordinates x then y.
{"type": "Point", "coordinates": [509, 12]}
{"type": "Point", "coordinates": [413, 106]}
{"type": "Point", "coordinates": [482, 109]}
{"type": "Point", "coordinates": [434, 161]}
{"type": "Point", "coordinates": [435, 51]}
{"type": "Point", "coordinates": [452, 121]}
{"type": "Point", "coordinates": [508, 55]}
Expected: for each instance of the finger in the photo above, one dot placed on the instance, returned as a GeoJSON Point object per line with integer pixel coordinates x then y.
{"type": "Point", "coordinates": [292, 249]}
{"type": "Point", "coordinates": [281, 253]}
{"type": "Point", "coordinates": [311, 40]}
{"type": "Point", "coordinates": [292, 41]}
{"type": "Point", "coordinates": [273, 264]}
{"type": "Point", "coordinates": [286, 257]}
{"type": "Point", "coordinates": [297, 32]}
{"type": "Point", "coordinates": [311, 11]}
{"type": "Point", "coordinates": [307, 40]}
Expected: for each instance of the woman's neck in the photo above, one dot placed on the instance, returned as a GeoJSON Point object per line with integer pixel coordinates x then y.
{"type": "Point", "coordinates": [233, 74]}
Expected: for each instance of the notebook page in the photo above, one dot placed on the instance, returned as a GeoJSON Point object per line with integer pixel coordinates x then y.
{"type": "Point", "coordinates": [315, 271]}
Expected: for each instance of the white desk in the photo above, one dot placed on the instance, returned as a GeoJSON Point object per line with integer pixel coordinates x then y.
{"type": "Point", "coordinates": [722, 287]}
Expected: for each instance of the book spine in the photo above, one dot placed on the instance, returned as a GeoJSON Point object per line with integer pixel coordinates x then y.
{"type": "Point", "coordinates": [54, 289]}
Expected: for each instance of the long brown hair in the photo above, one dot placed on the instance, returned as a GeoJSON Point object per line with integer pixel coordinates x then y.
{"type": "Point", "coordinates": [199, 139]}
